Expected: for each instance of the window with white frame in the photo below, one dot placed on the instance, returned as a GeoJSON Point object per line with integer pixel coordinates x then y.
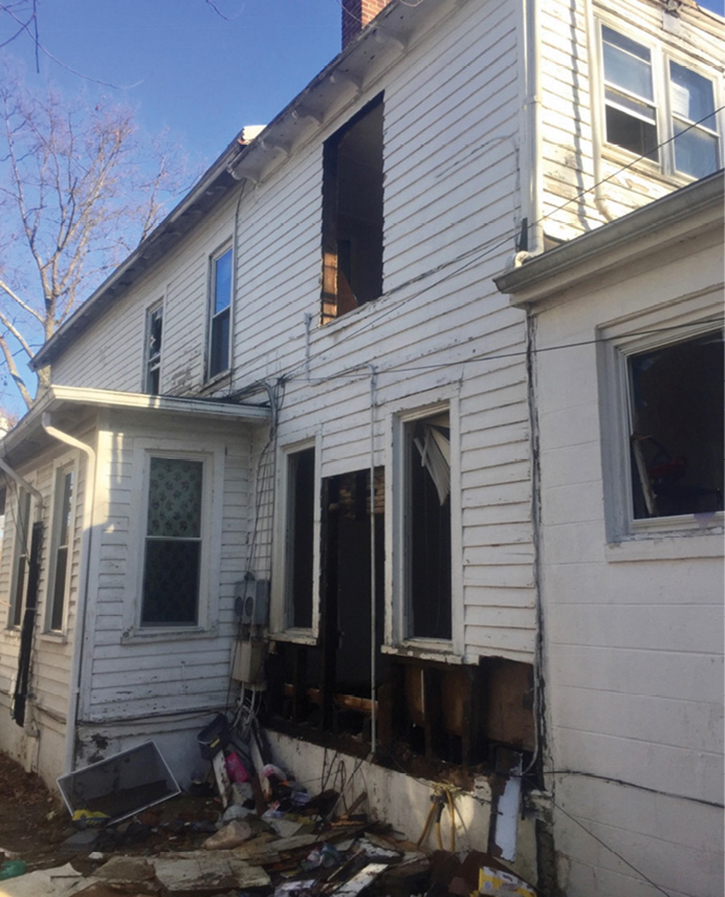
{"type": "Point", "coordinates": [220, 322]}
{"type": "Point", "coordinates": [22, 508]}
{"type": "Point", "coordinates": [152, 360]}
{"type": "Point", "coordinates": [657, 108]}
{"type": "Point", "coordinates": [173, 542]}
{"type": "Point", "coordinates": [427, 526]}
{"type": "Point", "coordinates": [60, 550]}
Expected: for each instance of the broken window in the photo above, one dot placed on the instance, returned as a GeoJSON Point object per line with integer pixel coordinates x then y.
{"type": "Point", "coordinates": [22, 510]}
{"type": "Point", "coordinates": [60, 549]}
{"type": "Point", "coordinates": [352, 226]}
{"type": "Point", "coordinates": [154, 326]}
{"type": "Point", "coordinates": [300, 537]}
{"type": "Point", "coordinates": [427, 445]}
{"type": "Point", "coordinates": [676, 414]}
{"type": "Point", "coordinates": [639, 88]}
{"type": "Point", "coordinates": [220, 326]}
{"type": "Point", "coordinates": [173, 545]}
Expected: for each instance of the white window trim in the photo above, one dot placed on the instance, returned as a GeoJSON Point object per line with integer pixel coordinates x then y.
{"type": "Point", "coordinates": [226, 246]}
{"type": "Point", "coordinates": [60, 469]}
{"type": "Point", "coordinates": [616, 343]}
{"type": "Point", "coordinates": [14, 501]}
{"type": "Point", "coordinates": [212, 512]}
{"type": "Point", "coordinates": [660, 59]}
{"type": "Point", "coordinates": [281, 566]}
{"type": "Point", "coordinates": [396, 638]}
{"type": "Point", "coordinates": [152, 309]}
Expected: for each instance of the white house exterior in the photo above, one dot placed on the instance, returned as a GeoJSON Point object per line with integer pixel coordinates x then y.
{"type": "Point", "coordinates": [627, 327]}
{"type": "Point", "coordinates": [317, 314]}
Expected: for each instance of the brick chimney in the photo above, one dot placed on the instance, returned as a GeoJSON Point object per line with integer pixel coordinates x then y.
{"type": "Point", "coordinates": [356, 14]}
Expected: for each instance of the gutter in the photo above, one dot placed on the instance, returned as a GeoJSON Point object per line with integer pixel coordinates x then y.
{"type": "Point", "coordinates": [83, 586]}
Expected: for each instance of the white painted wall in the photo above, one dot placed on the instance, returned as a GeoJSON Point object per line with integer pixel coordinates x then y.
{"type": "Point", "coordinates": [634, 636]}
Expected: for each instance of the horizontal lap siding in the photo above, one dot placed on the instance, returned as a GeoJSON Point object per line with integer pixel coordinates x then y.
{"type": "Point", "coordinates": [129, 679]}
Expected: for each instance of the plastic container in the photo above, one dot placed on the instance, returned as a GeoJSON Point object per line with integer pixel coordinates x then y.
{"type": "Point", "coordinates": [214, 737]}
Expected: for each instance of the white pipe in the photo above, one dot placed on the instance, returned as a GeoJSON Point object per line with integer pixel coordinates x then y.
{"type": "Point", "coordinates": [24, 484]}
{"type": "Point", "coordinates": [532, 104]}
{"type": "Point", "coordinates": [373, 591]}
{"type": "Point", "coordinates": [83, 585]}
{"type": "Point", "coordinates": [600, 201]}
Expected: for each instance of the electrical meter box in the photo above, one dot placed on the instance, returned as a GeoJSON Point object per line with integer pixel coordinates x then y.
{"type": "Point", "coordinates": [251, 601]}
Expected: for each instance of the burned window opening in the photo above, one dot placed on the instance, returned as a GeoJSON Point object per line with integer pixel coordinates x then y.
{"type": "Point", "coordinates": [676, 401]}
{"type": "Point", "coordinates": [154, 328]}
{"type": "Point", "coordinates": [352, 225]}
{"type": "Point", "coordinates": [428, 527]}
{"type": "Point", "coordinates": [326, 687]}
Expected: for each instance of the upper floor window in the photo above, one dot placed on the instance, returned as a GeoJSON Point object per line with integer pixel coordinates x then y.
{"type": "Point", "coordinates": [62, 535]}
{"type": "Point", "coordinates": [154, 327]}
{"type": "Point", "coordinates": [221, 298]}
{"type": "Point", "coordinates": [657, 108]}
{"type": "Point", "coordinates": [352, 226]}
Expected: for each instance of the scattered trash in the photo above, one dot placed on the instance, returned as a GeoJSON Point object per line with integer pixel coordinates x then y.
{"type": "Point", "coordinates": [12, 868]}
{"type": "Point", "coordinates": [232, 835]}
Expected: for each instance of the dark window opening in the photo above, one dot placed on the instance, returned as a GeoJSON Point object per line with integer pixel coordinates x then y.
{"type": "Point", "coordinates": [676, 396]}
{"type": "Point", "coordinates": [300, 538]}
{"type": "Point", "coordinates": [62, 536]}
{"type": "Point", "coordinates": [428, 527]}
{"type": "Point", "coordinates": [327, 688]}
{"type": "Point", "coordinates": [352, 226]}
{"type": "Point", "coordinates": [22, 543]}
{"type": "Point", "coordinates": [154, 327]}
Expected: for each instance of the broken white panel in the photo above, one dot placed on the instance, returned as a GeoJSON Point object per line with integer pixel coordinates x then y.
{"type": "Point", "coordinates": [507, 821]}
{"type": "Point", "coordinates": [363, 879]}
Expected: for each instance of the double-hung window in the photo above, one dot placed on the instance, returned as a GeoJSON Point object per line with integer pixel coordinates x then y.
{"type": "Point", "coordinates": [173, 543]}
{"type": "Point", "coordinates": [220, 324]}
{"type": "Point", "coordinates": [658, 108]}
{"type": "Point", "coordinates": [22, 508]}
{"type": "Point", "coordinates": [62, 537]}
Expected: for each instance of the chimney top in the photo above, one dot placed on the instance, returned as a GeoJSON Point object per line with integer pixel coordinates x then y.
{"type": "Point", "coordinates": [356, 15]}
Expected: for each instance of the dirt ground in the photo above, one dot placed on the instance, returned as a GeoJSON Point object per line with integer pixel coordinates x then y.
{"type": "Point", "coordinates": [34, 824]}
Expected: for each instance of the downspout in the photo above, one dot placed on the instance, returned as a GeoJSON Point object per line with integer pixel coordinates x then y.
{"type": "Point", "coordinates": [373, 590]}
{"type": "Point", "coordinates": [600, 202]}
{"type": "Point", "coordinates": [84, 584]}
{"type": "Point", "coordinates": [532, 105]}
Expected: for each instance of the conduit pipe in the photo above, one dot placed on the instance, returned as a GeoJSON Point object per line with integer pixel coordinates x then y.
{"type": "Point", "coordinates": [83, 585]}
{"type": "Point", "coordinates": [600, 201]}
{"type": "Point", "coordinates": [532, 104]}
{"type": "Point", "coordinates": [23, 483]}
{"type": "Point", "coordinates": [373, 589]}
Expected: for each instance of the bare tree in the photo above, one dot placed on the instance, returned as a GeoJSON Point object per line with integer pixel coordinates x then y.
{"type": "Point", "coordinates": [79, 188]}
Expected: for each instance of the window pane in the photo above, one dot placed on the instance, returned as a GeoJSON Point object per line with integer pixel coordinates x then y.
{"type": "Point", "coordinates": [677, 428]}
{"type": "Point", "coordinates": [691, 94]}
{"type": "Point", "coordinates": [695, 151]}
{"type": "Point", "coordinates": [65, 521]}
{"type": "Point", "coordinates": [19, 591]}
{"type": "Point", "coordinates": [222, 281]}
{"type": "Point", "coordinates": [627, 64]}
{"type": "Point", "coordinates": [61, 566]}
{"type": "Point", "coordinates": [631, 133]}
{"type": "Point", "coordinates": [175, 489]}
{"type": "Point", "coordinates": [219, 352]}
{"type": "Point", "coordinates": [171, 582]}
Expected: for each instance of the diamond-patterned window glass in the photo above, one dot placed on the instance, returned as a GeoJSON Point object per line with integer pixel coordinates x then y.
{"type": "Point", "coordinates": [175, 498]}
{"type": "Point", "coordinates": [172, 561]}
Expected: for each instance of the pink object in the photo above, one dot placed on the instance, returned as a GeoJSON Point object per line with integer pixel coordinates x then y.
{"type": "Point", "coordinates": [235, 768]}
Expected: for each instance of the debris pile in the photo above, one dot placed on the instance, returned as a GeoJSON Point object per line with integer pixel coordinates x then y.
{"type": "Point", "coordinates": [248, 829]}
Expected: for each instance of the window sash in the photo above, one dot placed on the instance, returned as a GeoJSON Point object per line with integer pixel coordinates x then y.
{"type": "Point", "coordinates": [22, 557]}
{"type": "Point", "coordinates": [221, 300]}
{"type": "Point", "coordinates": [62, 534]}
